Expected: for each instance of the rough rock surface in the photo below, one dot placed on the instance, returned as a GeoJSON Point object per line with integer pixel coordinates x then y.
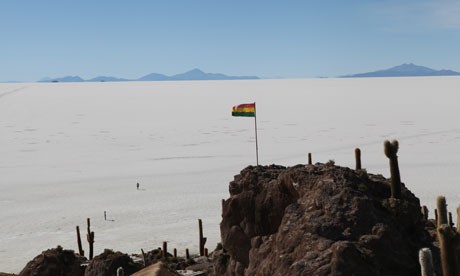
{"type": "Point", "coordinates": [107, 263]}
{"type": "Point", "coordinates": [158, 269]}
{"type": "Point", "coordinates": [318, 220]}
{"type": "Point", "coordinates": [54, 262]}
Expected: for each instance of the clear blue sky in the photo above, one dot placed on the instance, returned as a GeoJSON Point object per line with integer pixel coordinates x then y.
{"type": "Point", "coordinates": [291, 39]}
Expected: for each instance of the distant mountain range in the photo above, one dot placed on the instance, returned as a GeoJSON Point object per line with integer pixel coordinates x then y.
{"type": "Point", "coordinates": [195, 74]}
{"type": "Point", "coordinates": [405, 70]}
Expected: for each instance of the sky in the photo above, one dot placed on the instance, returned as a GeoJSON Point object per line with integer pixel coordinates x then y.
{"type": "Point", "coordinates": [288, 39]}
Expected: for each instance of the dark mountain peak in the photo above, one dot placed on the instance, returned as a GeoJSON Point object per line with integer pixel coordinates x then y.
{"type": "Point", "coordinates": [153, 77]}
{"type": "Point", "coordinates": [195, 71]}
{"type": "Point", "coordinates": [63, 79]}
{"type": "Point", "coordinates": [105, 78]}
{"type": "Point", "coordinates": [405, 70]}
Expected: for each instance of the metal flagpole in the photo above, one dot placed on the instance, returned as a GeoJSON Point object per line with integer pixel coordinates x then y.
{"type": "Point", "coordinates": [255, 124]}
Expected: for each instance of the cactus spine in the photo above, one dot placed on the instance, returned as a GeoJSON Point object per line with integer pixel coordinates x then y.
{"type": "Point", "coordinates": [391, 150]}
{"type": "Point", "coordinates": [358, 159]}
{"type": "Point", "coordinates": [426, 262]}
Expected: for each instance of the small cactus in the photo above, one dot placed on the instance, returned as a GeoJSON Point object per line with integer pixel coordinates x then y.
{"type": "Point", "coordinates": [391, 150]}
{"type": "Point", "coordinates": [442, 210]}
{"type": "Point", "coordinates": [436, 217]}
{"type": "Point", "coordinates": [451, 222]}
{"type": "Point", "coordinates": [458, 219]}
{"type": "Point", "coordinates": [426, 262]}
{"type": "Point", "coordinates": [80, 247]}
{"type": "Point", "coordinates": [309, 159]}
{"type": "Point", "coordinates": [187, 254]}
{"type": "Point", "coordinates": [425, 212]}
{"type": "Point", "coordinates": [358, 159]}
{"type": "Point", "coordinates": [202, 240]}
{"type": "Point", "coordinates": [164, 252]}
{"type": "Point", "coordinates": [90, 239]}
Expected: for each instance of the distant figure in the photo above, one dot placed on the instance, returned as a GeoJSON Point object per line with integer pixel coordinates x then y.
{"type": "Point", "coordinates": [137, 185]}
{"type": "Point", "coordinates": [105, 215]}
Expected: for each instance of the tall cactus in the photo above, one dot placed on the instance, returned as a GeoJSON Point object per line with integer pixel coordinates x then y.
{"type": "Point", "coordinates": [391, 150]}
{"type": "Point", "coordinates": [448, 243]}
{"type": "Point", "coordinates": [358, 159]}
{"type": "Point", "coordinates": [80, 247]}
{"type": "Point", "coordinates": [426, 262]}
{"type": "Point", "coordinates": [458, 219]}
{"type": "Point", "coordinates": [442, 210]}
{"type": "Point", "coordinates": [164, 252]}
{"type": "Point", "coordinates": [202, 240]}
{"type": "Point", "coordinates": [90, 239]}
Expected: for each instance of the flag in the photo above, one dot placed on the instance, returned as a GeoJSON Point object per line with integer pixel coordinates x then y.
{"type": "Point", "coordinates": [244, 110]}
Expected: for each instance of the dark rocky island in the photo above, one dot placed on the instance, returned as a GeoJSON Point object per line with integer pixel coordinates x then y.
{"type": "Point", "coordinates": [314, 219]}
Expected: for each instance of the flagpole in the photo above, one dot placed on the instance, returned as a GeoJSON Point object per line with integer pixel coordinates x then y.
{"type": "Point", "coordinates": [255, 124]}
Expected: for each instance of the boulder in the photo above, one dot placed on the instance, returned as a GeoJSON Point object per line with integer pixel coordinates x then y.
{"type": "Point", "coordinates": [55, 262]}
{"type": "Point", "coordinates": [107, 263]}
{"type": "Point", "coordinates": [319, 220]}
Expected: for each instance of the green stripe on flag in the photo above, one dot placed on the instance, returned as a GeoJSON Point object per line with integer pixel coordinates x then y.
{"type": "Point", "coordinates": [243, 114]}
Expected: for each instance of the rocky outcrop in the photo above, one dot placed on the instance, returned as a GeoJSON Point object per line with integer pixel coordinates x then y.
{"type": "Point", "coordinates": [56, 261]}
{"type": "Point", "coordinates": [107, 263]}
{"type": "Point", "coordinates": [318, 220]}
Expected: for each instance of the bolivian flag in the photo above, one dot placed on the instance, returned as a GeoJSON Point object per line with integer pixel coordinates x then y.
{"type": "Point", "coordinates": [244, 110]}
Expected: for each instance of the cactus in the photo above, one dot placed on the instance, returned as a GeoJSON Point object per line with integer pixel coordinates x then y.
{"type": "Point", "coordinates": [164, 252]}
{"type": "Point", "coordinates": [358, 159]}
{"type": "Point", "coordinates": [442, 210]}
{"type": "Point", "coordinates": [202, 240]}
{"type": "Point", "coordinates": [187, 254]}
{"type": "Point", "coordinates": [309, 159]}
{"type": "Point", "coordinates": [458, 219]}
{"type": "Point", "coordinates": [144, 260]}
{"type": "Point", "coordinates": [175, 253]}
{"type": "Point", "coordinates": [449, 240]}
{"type": "Point", "coordinates": [206, 252]}
{"type": "Point", "coordinates": [451, 222]}
{"type": "Point", "coordinates": [120, 271]}
{"type": "Point", "coordinates": [426, 262]}
{"type": "Point", "coordinates": [391, 150]}
{"type": "Point", "coordinates": [90, 239]}
{"type": "Point", "coordinates": [80, 248]}
{"type": "Point", "coordinates": [436, 217]}
{"type": "Point", "coordinates": [425, 212]}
